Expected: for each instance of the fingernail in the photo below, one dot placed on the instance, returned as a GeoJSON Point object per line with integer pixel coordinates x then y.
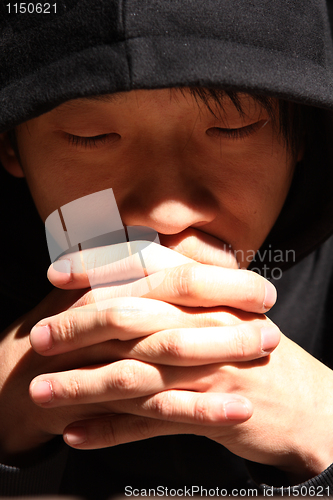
{"type": "Point", "coordinates": [270, 295]}
{"type": "Point", "coordinates": [42, 392]}
{"type": "Point", "coordinates": [75, 436]}
{"type": "Point", "coordinates": [64, 266]}
{"type": "Point", "coordinates": [41, 338]}
{"type": "Point", "coordinates": [270, 337]}
{"type": "Point", "coordinates": [236, 410]}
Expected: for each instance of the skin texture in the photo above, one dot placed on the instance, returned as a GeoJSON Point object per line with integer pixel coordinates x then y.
{"type": "Point", "coordinates": [173, 167]}
{"type": "Point", "coordinates": [168, 162]}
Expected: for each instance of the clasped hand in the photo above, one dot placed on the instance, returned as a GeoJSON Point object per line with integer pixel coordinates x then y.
{"type": "Point", "coordinates": [159, 355]}
{"type": "Point", "coordinates": [190, 356]}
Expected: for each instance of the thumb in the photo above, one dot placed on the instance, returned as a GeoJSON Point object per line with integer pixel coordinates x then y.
{"type": "Point", "coordinates": [200, 247]}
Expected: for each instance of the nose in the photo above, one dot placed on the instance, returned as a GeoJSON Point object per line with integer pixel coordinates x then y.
{"type": "Point", "coordinates": [168, 200]}
{"type": "Point", "coordinates": [168, 216]}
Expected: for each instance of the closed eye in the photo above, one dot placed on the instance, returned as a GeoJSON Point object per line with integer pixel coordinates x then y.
{"type": "Point", "coordinates": [236, 133]}
{"type": "Point", "coordinates": [92, 142]}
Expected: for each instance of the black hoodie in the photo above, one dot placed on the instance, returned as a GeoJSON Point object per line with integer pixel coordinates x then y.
{"type": "Point", "coordinates": [280, 48]}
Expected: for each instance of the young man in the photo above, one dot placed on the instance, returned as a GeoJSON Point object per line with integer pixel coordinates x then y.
{"type": "Point", "coordinates": [133, 100]}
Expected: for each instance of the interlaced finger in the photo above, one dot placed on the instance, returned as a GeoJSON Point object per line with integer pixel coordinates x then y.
{"type": "Point", "coordinates": [130, 319]}
{"type": "Point", "coordinates": [122, 380]}
{"type": "Point", "coordinates": [197, 285]}
{"type": "Point", "coordinates": [167, 413]}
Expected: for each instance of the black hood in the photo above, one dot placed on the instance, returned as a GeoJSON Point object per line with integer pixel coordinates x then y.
{"type": "Point", "coordinates": [276, 47]}
{"type": "Point", "coordinates": [280, 48]}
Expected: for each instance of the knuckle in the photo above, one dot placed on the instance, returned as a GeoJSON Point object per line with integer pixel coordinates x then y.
{"type": "Point", "coordinates": [72, 390]}
{"type": "Point", "coordinates": [242, 342]}
{"type": "Point", "coordinates": [173, 345]}
{"type": "Point", "coordinates": [66, 331]}
{"type": "Point", "coordinates": [127, 377]}
{"type": "Point", "coordinates": [201, 410]}
{"type": "Point", "coordinates": [187, 280]}
{"type": "Point", "coordinates": [162, 405]}
{"type": "Point", "coordinates": [112, 318]}
{"type": "Point", "coordinates": [119, 319]}
{"type": "Point", "coordinates": [253, 289]}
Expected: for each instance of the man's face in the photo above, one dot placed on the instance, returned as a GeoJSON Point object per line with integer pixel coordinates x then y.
{"type": "Point", "coordinates": [171, 163]}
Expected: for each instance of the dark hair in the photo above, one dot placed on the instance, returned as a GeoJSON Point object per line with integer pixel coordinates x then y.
{"type": "Point", "coordinates": [295, 120]}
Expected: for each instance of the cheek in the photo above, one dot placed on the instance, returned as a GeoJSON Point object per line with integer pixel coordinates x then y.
{"type": "Point", "coordinates": [52, 181]}
{"type": "Point", "coordinates": [264, 169]}
{"type": "Point", "coordinates": [254, 184]}
{"type": "Point", "coordinates": [257, 185]}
